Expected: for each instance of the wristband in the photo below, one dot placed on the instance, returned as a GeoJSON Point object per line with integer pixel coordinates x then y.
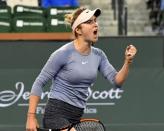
{"type": "Point", "coordinates": [31, 113]}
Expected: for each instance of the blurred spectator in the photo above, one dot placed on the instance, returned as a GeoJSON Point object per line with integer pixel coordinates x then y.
{"type": "Point", "coordinates": [162, 5]}
{"type": "Point", "coordinates": [153, 4]}
{"type": "Point", "coordinates": [161, 28]}
{"type": "Point", "coordinates": [156, 15]}
{"type": "Point", "coordinates": [2, 2]}
{"type": "Point", "coordinates": [13, 3]}
{"type": "Point", "coordinates": [59, 3]}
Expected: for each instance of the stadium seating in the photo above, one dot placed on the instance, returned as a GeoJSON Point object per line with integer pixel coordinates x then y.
{"type": "Point", "coordinates": [5, 19]}
{"type": "Point", "coordinates": [34, 19]}
{"type": "Point", "coordinates": [55, 19]}
{"type": "Point", "coordinates": [29, 19]}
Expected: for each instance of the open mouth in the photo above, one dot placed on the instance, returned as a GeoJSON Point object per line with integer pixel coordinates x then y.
{"type": "Point", "coordinates": [95, 32]}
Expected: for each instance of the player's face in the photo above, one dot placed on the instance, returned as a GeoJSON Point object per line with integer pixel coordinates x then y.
{"type": "Point", "coordinates": [89, 30]}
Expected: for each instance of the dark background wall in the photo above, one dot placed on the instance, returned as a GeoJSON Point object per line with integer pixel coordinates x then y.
{"type": "Point", "coordinates": [137, 106]}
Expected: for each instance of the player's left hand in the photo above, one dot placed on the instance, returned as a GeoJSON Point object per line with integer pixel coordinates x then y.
{"type": "Point", "coordinates": [130, 53]}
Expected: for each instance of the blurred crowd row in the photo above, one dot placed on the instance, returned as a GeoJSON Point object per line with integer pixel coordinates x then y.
{"type": "Point", "coordinates": [41, 3]}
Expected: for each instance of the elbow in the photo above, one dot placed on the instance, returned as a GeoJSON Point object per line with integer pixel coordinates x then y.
{"type": "Point", "coordinates": [119, 81]}
{"type": "Point", "coordinates": [118, 84]}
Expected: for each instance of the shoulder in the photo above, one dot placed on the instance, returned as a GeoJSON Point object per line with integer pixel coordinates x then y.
{"type": "Point", "coordinates": [62, 54]}
{"type": "Point", "coordinates": [99, 52]}
{"type": "Point", "coordinates": [64, 50]}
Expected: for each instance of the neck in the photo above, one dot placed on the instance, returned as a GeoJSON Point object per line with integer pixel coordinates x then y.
{"type": "Point", "coordinates": [82, 46]}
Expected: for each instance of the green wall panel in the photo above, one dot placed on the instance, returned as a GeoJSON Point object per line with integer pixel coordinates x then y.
{"type": "Point", "coordinates": [137, 106]}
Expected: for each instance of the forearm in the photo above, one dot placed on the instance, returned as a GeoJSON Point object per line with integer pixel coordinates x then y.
{"type": "Point", "coordinates": [33, 102]}
{"type": "Point", "coordinates": [122, 74]}
{"type": "Point", "coordinates": [32, 123]}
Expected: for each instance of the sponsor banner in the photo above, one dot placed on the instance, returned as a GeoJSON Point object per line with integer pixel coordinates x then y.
{"type": "Point", "coordinates": [20, 82]}
{"type": "Point", "coordinates": [17, 96]}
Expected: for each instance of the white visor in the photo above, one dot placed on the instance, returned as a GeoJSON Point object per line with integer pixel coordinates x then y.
{"type": "Point", "coordinates": [85, 16]}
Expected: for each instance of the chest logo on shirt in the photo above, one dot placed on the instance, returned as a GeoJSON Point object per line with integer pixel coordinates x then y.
{"type": "Point", "coordinates": [84, 62]}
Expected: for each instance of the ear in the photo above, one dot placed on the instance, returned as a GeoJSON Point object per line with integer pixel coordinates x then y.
{"type": "Point", "coordinates": [78, 31]}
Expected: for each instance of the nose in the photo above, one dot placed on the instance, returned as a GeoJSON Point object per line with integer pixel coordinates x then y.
{"type": "Point", "coordinates": [96, 24]}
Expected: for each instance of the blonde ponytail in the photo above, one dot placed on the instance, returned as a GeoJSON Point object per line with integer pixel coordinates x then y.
{"type": "Point", "coordinates": [68, 19]}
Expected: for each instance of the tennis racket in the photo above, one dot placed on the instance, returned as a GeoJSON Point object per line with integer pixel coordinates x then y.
{"type": "Point", "coordinates": [88, 125]}
{"type": "Point", "coordinates": [83, 125]}
{"type": "Point", "coordinates": [62, 129]}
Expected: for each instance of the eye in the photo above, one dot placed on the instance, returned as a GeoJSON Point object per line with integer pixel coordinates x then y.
{"type": "Point", "coordinates": [89, 21]}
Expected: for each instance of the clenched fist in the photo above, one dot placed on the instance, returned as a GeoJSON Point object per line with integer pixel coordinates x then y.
{"type": "Point", "coordinates": [130, 53]}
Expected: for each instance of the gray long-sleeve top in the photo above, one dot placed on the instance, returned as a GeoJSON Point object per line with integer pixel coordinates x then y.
{"type": "Point", "coordinates": [72, 74]}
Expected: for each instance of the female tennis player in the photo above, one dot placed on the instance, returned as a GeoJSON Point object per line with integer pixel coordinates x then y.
{"type": "Point", "coordinates": [73, 69]}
